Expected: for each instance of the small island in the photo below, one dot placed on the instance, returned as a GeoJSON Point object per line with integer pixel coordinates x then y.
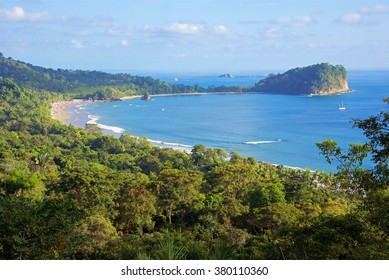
{"type": "Point", "coordinates": [227, 75]}
{"type": "Point", "coordinates": [318, 79]}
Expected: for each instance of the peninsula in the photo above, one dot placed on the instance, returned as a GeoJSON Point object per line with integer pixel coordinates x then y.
{"type": "Point", "coordinates": [71, 193]}
{"type": "Point", "coordinates": [318, 79]}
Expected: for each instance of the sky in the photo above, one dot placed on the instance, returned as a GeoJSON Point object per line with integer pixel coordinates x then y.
{"type": "Point", "coordinates": [195, 35]}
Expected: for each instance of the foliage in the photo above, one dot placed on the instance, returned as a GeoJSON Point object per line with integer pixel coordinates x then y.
{"type": "Point", "coordinates": [94, 85]}
{"type": "Point", "coordinates": [70, 193]}
{"type": "Point", "coordinates": [315, 79]}
{"type": "Point", "coordinates": [371, 186]}
{"type": "Point", "coordinates": [376, 129]}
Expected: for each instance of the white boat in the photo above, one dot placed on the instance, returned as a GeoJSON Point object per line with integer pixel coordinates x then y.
{"type": "Point", "coordinates": [341, 107]}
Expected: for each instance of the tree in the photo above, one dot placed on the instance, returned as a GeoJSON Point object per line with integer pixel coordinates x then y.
{"type": "Point", "coordinates": [92, 187]}
{"type": "Point", "coordinates": [108, 143]}
{"type": "Point", "coordinates": [278, 214]}
{"type": "Point", "coordinates": [20, 181]}
{"type": "Point", "coordinates": [264, 194]}
{"type": "Point", "coordinates": [91, 239]}
{"type": "Point", "coordinates": [204, 158]}
{"type": "Point", "coordinates": [350, 173]}
{"type": "Point", "coordinates": [197, 154]}
{"type": "Point", "coordinates": [227, 187]}
{"type": "Point", "coordinates": [337, 237]}
{"type": "Point", "coordinates": [136, 210]}
{"type": "Point", "coordinates": [370, 185]}
{"type": "Point", "coordinates": [178, 192]}
{"type": "Point", "coordinates": [35, 229]}
{"type": "Point", "coordinates": [376, 129]}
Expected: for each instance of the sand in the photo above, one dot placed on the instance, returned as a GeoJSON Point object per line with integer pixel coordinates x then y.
{"type": "Point", "coordinates": [60, 112]}
{"type": "Point", "coordinates": [59, 109]}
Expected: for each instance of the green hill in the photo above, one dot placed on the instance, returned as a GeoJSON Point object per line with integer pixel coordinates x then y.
{"type": "Point", "coordinates": [319, 79]}
{"type": "Point", "coordinates": [69, 193]}
{"type": "Point", "coordinates": [93, 84]}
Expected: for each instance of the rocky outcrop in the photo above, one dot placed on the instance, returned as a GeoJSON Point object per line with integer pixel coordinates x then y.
{"type": "Point", "coordinates": [318, 79]}
{"type": "Point", "coordinates": [227, 75]}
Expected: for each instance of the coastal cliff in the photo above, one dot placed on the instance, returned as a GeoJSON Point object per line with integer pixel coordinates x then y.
{"type": "Point", "coordinates": [318, 79]}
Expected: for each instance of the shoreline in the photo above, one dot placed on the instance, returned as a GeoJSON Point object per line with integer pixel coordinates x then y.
{"type": "Point", "coordinates": [129, 97]}
{"type": "Point", "coordinates": [59, 112]}
{"type": "Point", "coordinates": [196, 93]}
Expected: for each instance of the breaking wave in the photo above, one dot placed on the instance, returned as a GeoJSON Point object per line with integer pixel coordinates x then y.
{"type": "Point", "coordinates": [177, 146]}
{"type": "Point", "coordinates": [94, 119]}
{"type": "Point", "coordinates": [263, 142]}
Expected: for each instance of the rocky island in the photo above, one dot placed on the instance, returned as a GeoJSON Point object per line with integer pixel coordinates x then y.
{"type": "Point", "coordinates": [318, 79]}
{"type": "Point", "coordinates": [227, 75]}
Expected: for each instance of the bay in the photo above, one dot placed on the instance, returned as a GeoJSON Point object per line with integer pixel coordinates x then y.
{"type": "Point", "coordinates": [281, 129]}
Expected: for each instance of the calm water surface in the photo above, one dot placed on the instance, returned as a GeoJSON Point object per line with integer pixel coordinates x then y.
{"type": "Point", "coordinates": [281, 129]}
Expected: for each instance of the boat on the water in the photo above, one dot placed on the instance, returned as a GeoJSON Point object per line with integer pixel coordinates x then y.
{"type": "Point", "coordinates": [342, 107]}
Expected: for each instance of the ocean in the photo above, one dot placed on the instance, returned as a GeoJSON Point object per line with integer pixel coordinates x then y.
{"type": "Point", "coordinates": [280, 129]}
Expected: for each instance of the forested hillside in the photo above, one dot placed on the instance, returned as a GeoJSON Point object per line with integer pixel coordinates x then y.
{"type": "Point", "coordinates": [69, 193]}
{"type": "Point", "coordinates": [93, 84]}
{"type": "Point", "coordinates": [321, 79]}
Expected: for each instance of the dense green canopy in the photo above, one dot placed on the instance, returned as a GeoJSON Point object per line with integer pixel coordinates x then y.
{"type": "Point", "coordinates": [321, 78]}
{"type": "Point", "coordinates": [69, 193]}
{"type": "Point", "coordinates": [93, 84]}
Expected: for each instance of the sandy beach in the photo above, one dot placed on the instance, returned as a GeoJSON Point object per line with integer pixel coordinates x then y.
{"type": "Point", "coordinates": [130, 97]}
{"type": "Point", "coordinates": [59, 109]}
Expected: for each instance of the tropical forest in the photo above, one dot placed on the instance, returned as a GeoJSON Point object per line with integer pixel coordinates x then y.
{"type": "Point", "coordinates": [72, 193]}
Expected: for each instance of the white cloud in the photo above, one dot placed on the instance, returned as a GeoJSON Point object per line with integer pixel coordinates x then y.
{"type": "Point", "coordinates": [124, 43]}
{"type": "Point", "coordinates": [120, 30]}
{"type": "Point", "coordinates": [295, 21]}
{"type": "Point", "coordinates": [378, 9]}
{"type": "Point", "coordinates": [274, 33]}
{"type": "Point", "coordinates": [357, 17]}
{"type": "Point", "coordinates": [351, 18]}
{"type": "Point", "coordinates": [221, 29]}
{"type": "Point", "coordinates": [74, 44]}
{"type": "Point", "coordinates": [18, 14]}
{"type": "Point", "coordinates": [184, 28]}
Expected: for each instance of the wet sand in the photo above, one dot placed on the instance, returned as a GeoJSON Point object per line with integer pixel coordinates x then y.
{"type": "Point", "coordinates": [59, 109]}
{"type": "Point", "coordinates": [60, 112]}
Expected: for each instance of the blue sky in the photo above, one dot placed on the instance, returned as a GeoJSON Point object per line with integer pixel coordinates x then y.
{"type": "Point", "coordinates": [195, 35]}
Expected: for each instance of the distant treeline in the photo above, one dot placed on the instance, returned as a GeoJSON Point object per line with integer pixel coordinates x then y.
{"type": "Point", "coordinates": [94, 84]}
{"type": "Point", "coordinates": [315, 79]}
{"type": "Point", "coordinates": [71, 193]}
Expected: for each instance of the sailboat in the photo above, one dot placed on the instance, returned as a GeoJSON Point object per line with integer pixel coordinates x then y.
{"type": "Point", "coordinates": [341, 107]}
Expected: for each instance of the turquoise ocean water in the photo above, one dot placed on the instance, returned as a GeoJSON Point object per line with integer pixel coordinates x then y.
{"type": "Point", "coordinates": [280, 129]}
